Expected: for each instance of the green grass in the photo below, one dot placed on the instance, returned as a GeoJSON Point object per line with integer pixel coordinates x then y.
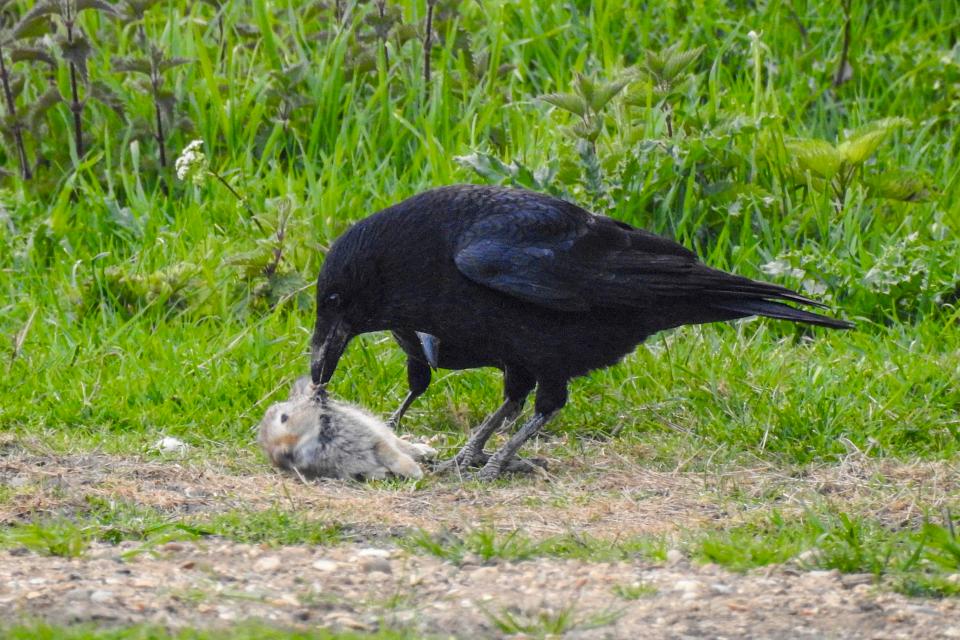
{"type": "Point", "coordinates": [549, 623]}
{"type": "Point", "coordinates": [138, 309]}
{"type": "Point", "coordinates": [116, 521]}
{"type": "Point", "coordinates": [134, 306]}
{"type": "Point", "coordinates": [914, 561]}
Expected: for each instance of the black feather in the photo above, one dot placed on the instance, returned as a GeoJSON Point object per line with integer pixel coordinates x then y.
{"type": "Point", "coordinates": [527, 283]}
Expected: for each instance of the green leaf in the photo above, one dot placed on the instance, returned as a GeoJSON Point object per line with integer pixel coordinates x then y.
{"type": "Point", "coordinates": [131, 65]}
{"type": "Point", "coordinates": [99, 5]}
{"type": "Point", "coordinates": [137, 9]}
{"type": "Point", "coordinates": [586, 87]}
{"type": "Point", "coordinates": [364, 61]}
{"type": "Point", "coordinates": [486, 165]}
{"type": "Point", "coordinates": [169, 63]}
{"type": "Point", "coordinates": [642, 91]}
{"type": "Point", "coordinates": [589, 130]}
{"type": "Point", "coordinates": [819, 157]}
{"type": "Point", "coordinates": [36, 22]}
{"type": "Point", "coordinates": [678, 61]}
{"type": "Point", "coordinates": [567, 102]}
{"type": "Point", "coordinates": [605, 92]}
{"type": "Point", "coordinates": [906, 186]}
{"type": "Point", "coordinates": [76, 52]}
{"type": "Point", "coordinates": [857, 150]}
{"type": "Point", "coordinates": [863, 143]}
{"type": "Point", "coordinates": [655, 62]}
{"type": "Point", "coordinates": [32, 54]}
{"type": "Point", "coordinates": [105, 95]}
{"type": "Point", "coordinates": [17, 83]}
{"type": "Point", "coordinates": [405, 32]}
{"type": "Point", "coordinates": [43, 104]}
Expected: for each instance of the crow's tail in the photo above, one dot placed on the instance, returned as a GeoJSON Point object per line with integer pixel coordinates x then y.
{"type": "Point", "coordinates": [771, 309]}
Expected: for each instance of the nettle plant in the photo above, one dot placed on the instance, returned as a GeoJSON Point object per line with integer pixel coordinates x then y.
{"type": "Point", "coordinates": [588, 102]}
{"type": "Point", "coordinates": [690, 157]}
{"type": "Point", "coordinates": [662, 75]}
{"type": "Point", "coordinates": [68, 43]}
{"type": "Point", "coordinates": [833, 169]}
{"type": "Point", "coordinates": [643, 134]}
{"type": "Point", "coordinates": [153, 67]}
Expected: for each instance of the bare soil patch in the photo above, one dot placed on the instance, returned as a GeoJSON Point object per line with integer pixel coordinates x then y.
{"type": "Point", "coordinates": [217, 582]}
{"type": "Point", "coordinates": [611, 496]}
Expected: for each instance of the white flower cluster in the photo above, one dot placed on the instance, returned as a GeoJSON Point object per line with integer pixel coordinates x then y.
{"type": "Point", "coordinates": [192, 163]}
{"type": "Point", "coordinates": [780, 268]}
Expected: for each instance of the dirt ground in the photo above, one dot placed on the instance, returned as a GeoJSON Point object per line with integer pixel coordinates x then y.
{"type": "Point", "coordinates": [368, 582]}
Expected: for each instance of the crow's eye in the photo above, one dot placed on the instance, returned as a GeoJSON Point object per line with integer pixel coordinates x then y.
{"type": "Point", "coordinates": [332, 301]}
{"type": "Point", "coordinates": [284, 417]}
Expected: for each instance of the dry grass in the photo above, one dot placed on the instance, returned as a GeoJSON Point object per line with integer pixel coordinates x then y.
{"type": "Point", "coordinates": [612, 496]}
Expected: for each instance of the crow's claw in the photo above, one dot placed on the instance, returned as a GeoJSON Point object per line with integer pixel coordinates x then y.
{"type": "Point", "coordinates": [487, 472]}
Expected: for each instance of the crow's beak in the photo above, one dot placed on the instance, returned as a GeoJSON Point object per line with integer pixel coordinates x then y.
{"type": "Point", "coordinates": [328, 344]}
{"type": "Point", "coordinates": [431, 348]}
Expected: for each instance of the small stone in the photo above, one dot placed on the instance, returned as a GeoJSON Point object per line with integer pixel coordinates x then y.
{"type": "Point", "coordinates": [171, 445]}
{"type": "Point", "coordinates": [371, 552]}
{"type": "Point", "coordinates": [347, 622]}
{"type": "Point", "coordinates": [267, 563]}
{"type": "Point", "coordinates": [687, 586]}
{"type": "Point", "coordinates": [484, 573]}
{"type": "Point", "coordinates": [851, 580]}
{"type": "Point", "coordinates": [325, 565]}
{"type": "Point", "coordinates": [807, 558]}
{"type": "Point", "coordinates": [817, 575]}
{"type": "Point", "coordinates": [721, 589]}
{"type": "Point", "coordinates": [374, 565]}
{"type": "Point", "coordinates": [674, 556]}
{"type": "Point", "coordinates": [101, 597]}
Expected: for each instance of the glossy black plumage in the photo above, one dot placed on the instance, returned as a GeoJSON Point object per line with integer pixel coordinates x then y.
{"type": "Point", "coordinates": [524, 282]}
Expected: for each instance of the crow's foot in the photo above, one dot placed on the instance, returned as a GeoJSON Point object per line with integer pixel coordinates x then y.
{"type": "Point", "coordinates": [514, 465]}
{"type": "Point", "coordinates": [464, 460]}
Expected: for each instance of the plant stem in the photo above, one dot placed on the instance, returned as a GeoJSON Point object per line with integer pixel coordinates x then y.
{"type": "Point", "coordinates": [12, 109]}
{"type": "Point", "coordinates": [381, 7]}
{"type": "Point", "coordinates": [236, 195]}
{"type": "Point", "coordinates": [160, 137]}
{"type": "Point", "coordinates": [75, 106]}
{"type": "Point", "coordinates": [841, 76]}
{"type": "Point", "coordinates": [427, 46]}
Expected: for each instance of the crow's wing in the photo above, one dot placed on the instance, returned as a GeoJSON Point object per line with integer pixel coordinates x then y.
{"type": "Point", "coordinates": [571, 260]}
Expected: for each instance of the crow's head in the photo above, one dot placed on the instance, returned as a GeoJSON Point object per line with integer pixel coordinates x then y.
{"type": "Point", "coordinates": [347, 292]}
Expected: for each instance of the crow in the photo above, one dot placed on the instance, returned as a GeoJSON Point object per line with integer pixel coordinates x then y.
{"type": "Point", "coordinates": [469, 276]}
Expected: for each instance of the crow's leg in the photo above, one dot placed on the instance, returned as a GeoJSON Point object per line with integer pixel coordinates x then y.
{"type": "Point", "coordinates": [517, 385]}
{"type": "Point", "coordinates": [418, 377]}
{"type": "Point", "coordinates": [472, 452]}
{"type": "Point", "coordinates": [551, 396]}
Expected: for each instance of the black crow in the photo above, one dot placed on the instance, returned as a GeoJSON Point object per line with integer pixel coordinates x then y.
{"type": "Point", "coordinates": [482, 276]}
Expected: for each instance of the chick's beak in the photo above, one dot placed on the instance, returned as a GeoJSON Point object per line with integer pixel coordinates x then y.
{"type": "Point", "coordinates": [329, 341]}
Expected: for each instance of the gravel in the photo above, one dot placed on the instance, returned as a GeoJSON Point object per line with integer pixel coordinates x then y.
{"type": "Point", "coordinates": [218, 583]}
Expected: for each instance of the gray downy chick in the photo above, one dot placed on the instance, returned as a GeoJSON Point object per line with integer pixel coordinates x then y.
{"type": "Point", "coordinates": [319, 437]}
